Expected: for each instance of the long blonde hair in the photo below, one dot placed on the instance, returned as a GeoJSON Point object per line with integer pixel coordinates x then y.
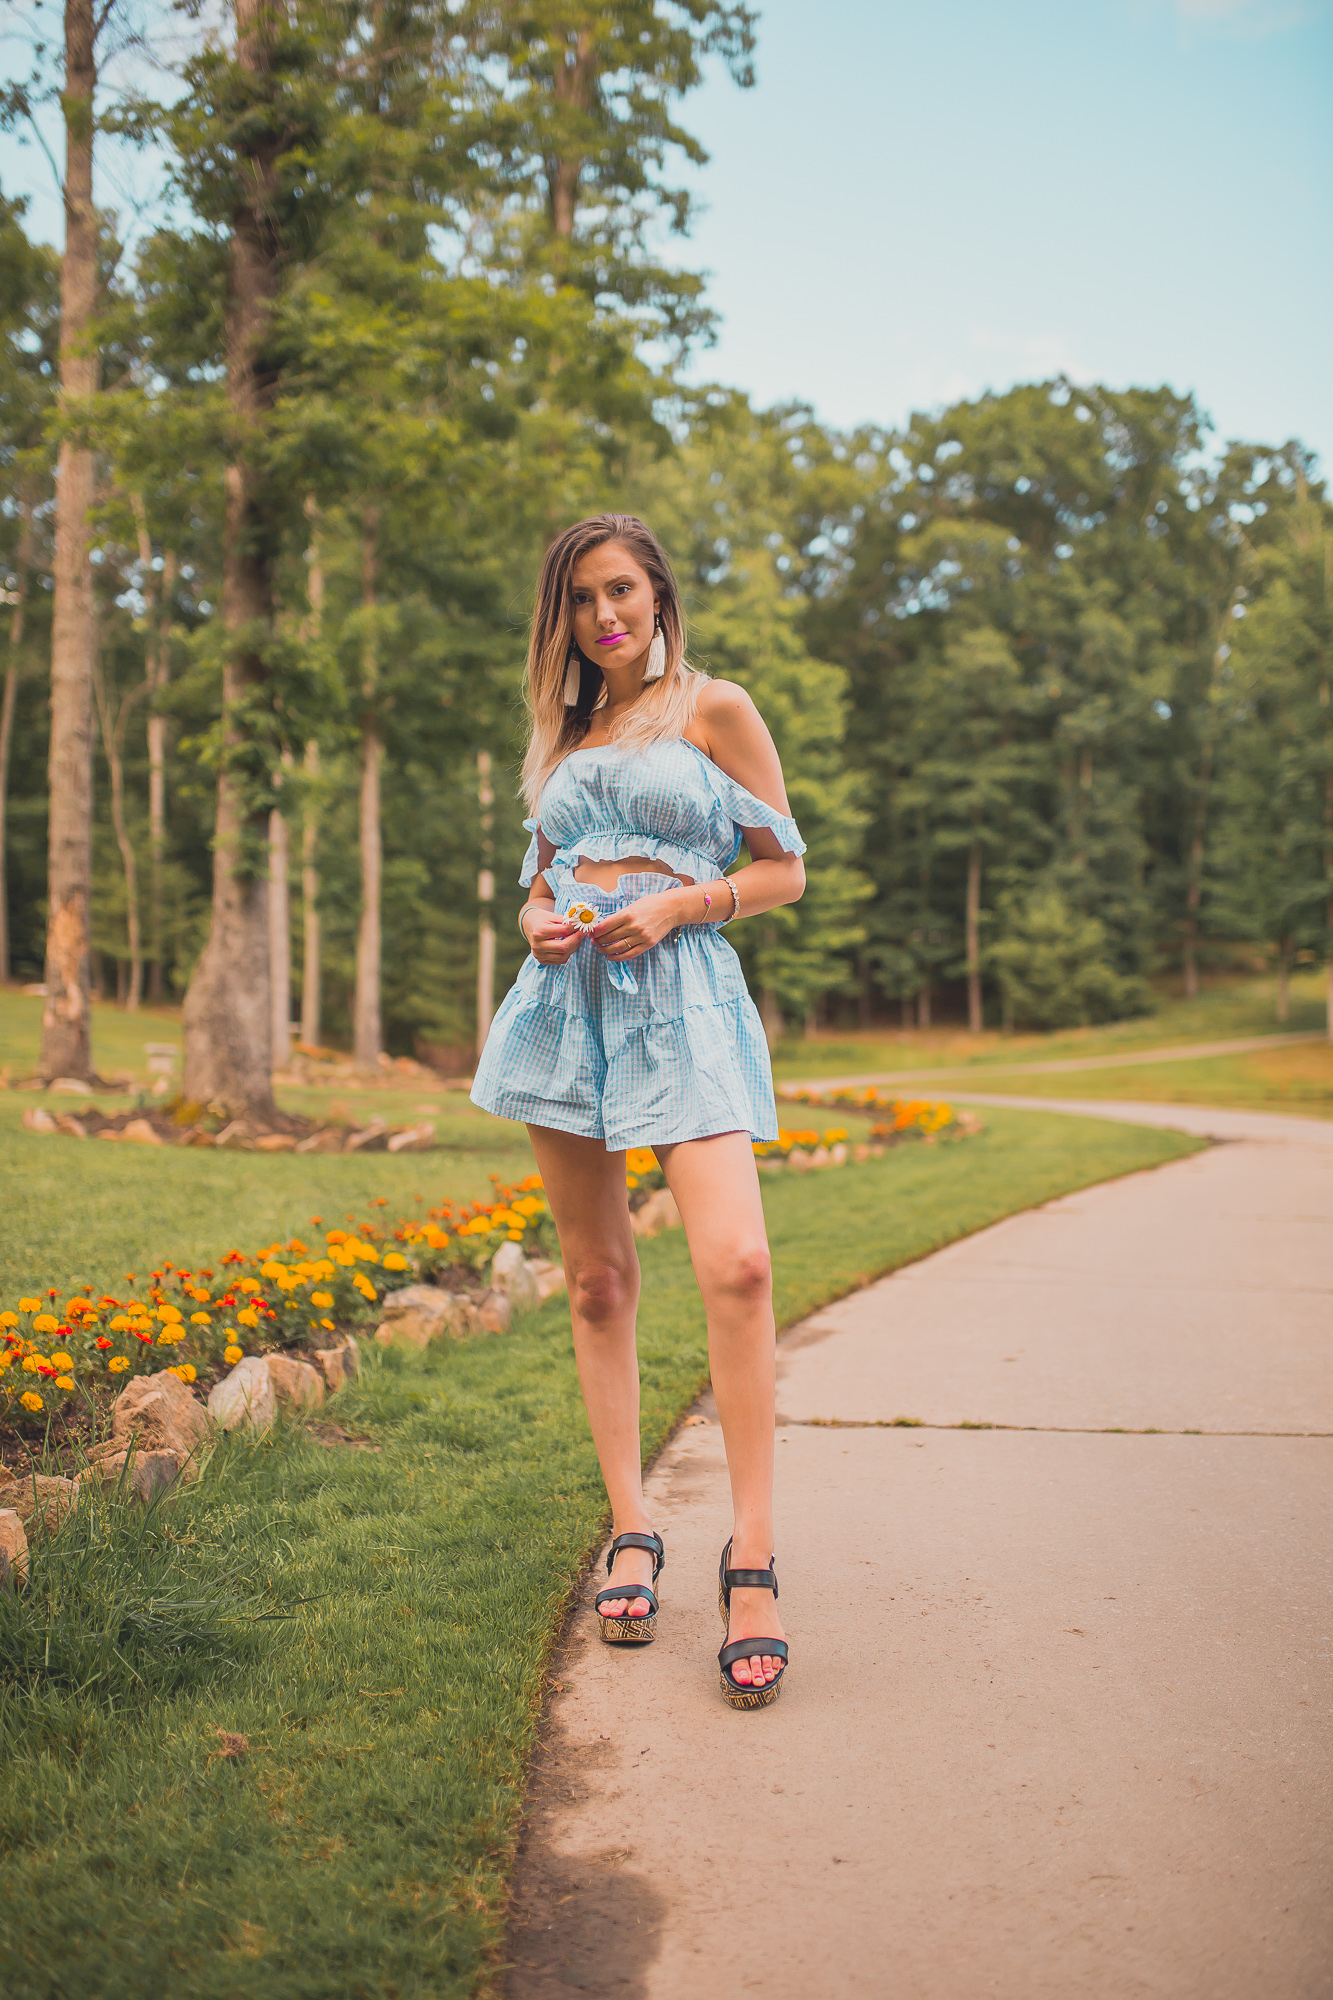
{"type": "Point", "coordinates": [665, 708]}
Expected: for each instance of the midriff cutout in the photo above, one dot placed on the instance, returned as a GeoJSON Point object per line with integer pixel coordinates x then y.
{"type": "Point", "coordinates": [606, 874]}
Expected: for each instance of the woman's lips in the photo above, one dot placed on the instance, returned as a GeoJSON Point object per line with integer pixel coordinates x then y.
{"type": "Point", "coordinates": [613, 638]}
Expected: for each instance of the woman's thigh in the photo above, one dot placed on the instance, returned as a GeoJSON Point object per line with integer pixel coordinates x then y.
{"type": "Point", "coordinates": [716, 1186]}
{"type": "Point", "coordinates": [588, 1195]}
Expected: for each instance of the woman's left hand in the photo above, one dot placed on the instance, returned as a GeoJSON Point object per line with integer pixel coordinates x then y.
{"type": "Point", "coordinates": [638, 927]}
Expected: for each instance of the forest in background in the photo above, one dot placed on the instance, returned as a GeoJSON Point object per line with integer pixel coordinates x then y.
{"type": "Point", "coordinates": [1049, 670]}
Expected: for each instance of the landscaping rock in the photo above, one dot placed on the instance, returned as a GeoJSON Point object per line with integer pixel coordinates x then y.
{"type": "Point", "coordinates": [295, 1383]}
{"type": "Point", "coordinates": [67, 1123]}
{"type": "Point", "coordinates": [37, 1120]}
{"type": "Point", "coordinates": [138, 1475]}
{"type": "Point", "coordinates": [13, 1549]}
{"type": "Point", "coordinates": [547, 1277]}
{"type": "Point", "coordinates": [496, 1312]}
{"type": "Point", "coordinates": [821, 1157]}
{"type": "Point", "coordinates": [275, 1142]}
{"type": "Point", "coordinates": [512, 1274]}
{"type": "Point", "coordinates": [140, 1133]}
{"type": "Point", "coordinates": [372, 1138]}
{"type": "Point", "coordinates": [413, 1139]}
{"type": "Point", "coordinates": [417, 1314]}
{"type": "Point", "coordinates": [658, 1212]}
{"type": "Point", "coordinates": [838, 1154]}
{"type": "Point", "coordinates": [159, 1413]}
{"type": "Point", "coordinates": [39, 1498]}
{"type": "Point", "coordinates": [73, 1086]}
{"type": "Point", "coordinates": [244, 1397]}
{"type": "Point", "coordinates": [339, 1364]}
{"type": "Point", "coordinates": [798, 1160]}
{"type": "Point", "coordinates": [329, 1140]}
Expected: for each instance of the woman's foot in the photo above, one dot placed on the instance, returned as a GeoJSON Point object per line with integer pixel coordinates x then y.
{"type": "Point", "coordinates": [631, 1566]}
{"type": "Point", "coordinates": [753, 1614]}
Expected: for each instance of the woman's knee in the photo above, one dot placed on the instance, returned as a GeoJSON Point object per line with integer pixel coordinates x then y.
{"type": "Point", "coordinates": [600, 1289]}
{"type": "Point", "coordinates": [745, 1273]}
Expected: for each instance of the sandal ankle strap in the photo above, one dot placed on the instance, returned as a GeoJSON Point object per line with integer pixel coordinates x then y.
{"type": "Point", "coordinates": [652, 1544]}
{"type": "Point", "coordinates": [751, 1579]}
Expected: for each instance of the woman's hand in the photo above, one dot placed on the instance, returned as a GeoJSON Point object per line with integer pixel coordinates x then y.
{"type": "Point", "coordinates": [551, 939]}
{"type": "Point", "coordinates": [639, 926]}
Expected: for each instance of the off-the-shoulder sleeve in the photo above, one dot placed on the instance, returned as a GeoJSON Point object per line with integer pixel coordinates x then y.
{"type": "Point", "coordinates": [529, 868]}
{"type": "Point", "coordinates": [745, 810]}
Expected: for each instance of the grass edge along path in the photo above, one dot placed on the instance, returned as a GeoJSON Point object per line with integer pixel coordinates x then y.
{"type": "Point", "coordinates": [381, 1624]}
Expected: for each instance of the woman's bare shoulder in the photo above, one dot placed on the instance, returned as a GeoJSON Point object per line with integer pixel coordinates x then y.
{"type": "Point", "coordinates": [724, 702]}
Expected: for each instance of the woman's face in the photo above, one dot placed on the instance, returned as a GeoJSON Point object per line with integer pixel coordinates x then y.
{"type": "Point", "coordinates": [614, 609]}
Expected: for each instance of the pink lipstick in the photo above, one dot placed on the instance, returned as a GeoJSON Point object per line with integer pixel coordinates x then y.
{"type": "Point", "coordinates": [613, 638]}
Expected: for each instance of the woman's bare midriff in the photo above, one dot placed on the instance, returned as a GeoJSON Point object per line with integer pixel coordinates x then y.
{"type": "Point", "coordinates": [606, 874]}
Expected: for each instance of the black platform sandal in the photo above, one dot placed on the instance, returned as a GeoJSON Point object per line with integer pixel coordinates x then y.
{"type": "Point", "coordinates": [627, 1631]}
{"type": "Point", "coordinates": [728, 1580]}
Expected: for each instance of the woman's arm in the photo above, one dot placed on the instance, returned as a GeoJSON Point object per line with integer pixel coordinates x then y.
{"type": "Point", "coordinates": [551, 939]}
{"type": "Point", "coordinates": [729, 729]}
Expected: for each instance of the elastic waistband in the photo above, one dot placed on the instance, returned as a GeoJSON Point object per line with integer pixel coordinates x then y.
{"type": "Point", "coordinates": [646, 882]}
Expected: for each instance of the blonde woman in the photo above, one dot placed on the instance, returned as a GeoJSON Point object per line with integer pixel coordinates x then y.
{"type": "Point", "coordinates": [630, 1025]}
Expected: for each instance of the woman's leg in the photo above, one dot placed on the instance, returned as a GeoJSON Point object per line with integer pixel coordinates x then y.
{"type": "Point", "coordinates": [585, 1186]}
{"type": "Point", "coordinates": [717, 1191]}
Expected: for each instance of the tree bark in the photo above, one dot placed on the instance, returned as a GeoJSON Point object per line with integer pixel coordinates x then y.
{"type": "Point", "coordinates": [8, 704]}
{"type": "Point", "coordinates": [279, 938]}
{"type": "Point", "coordinates": [1284, 980]}
{"type": "Point", "coordinates": [310, 926]}
{"type": "Point", "coordinates": [972, 939]}
{"type": "Point", "coordinates": [571, 87]}
{"type": "Point", "coordinates": [367, 1037]}
{"type": "Point", "coordinates": [227, 1016]}
{"type": "Point", "coordinates": [157, 671]}
{"type": "Point", "coordinates": [129, 990]}
{"type": "Point", "coordinates": [66, 1016]}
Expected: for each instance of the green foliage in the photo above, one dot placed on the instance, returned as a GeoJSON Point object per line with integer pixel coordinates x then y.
{"type": "Point", "coordinates": [1054, 966]}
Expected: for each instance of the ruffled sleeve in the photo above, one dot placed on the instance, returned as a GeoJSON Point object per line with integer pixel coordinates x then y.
{"type": "Point", "coordinates": [745, 810]}
{"type": "Point", "coordinates": [529, 868]}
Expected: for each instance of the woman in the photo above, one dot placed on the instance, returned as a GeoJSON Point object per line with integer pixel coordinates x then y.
{"type": "Point", "coordinates": [630, 1025]}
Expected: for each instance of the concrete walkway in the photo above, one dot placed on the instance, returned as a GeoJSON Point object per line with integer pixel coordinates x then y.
{"type": "Point", "coordinates": [1058, 1721]}
{"type": "Point", "coordinates": [926, 1079]}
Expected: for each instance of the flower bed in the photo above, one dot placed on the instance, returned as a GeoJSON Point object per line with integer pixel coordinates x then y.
{"type": "Point", "coordinates": [58, 1358]}
{"type": "Point", "coordinates": [902, 1117]}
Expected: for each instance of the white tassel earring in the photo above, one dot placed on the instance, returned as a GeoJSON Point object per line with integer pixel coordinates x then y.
{"type": "Point", "coordinates": [656, 666]}
{"type": "Point", "coordinates": [573, 676]}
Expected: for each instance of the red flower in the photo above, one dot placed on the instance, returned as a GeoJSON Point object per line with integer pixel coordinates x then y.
{"type": "Point", "coordinates": [102, 1341]}
{"type": "Point", "coordinates": [233, 1257]}
{"type": "Point", "coordinates": [146, 1338]}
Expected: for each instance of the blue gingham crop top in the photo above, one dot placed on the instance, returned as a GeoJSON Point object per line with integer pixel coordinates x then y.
{"type": "Point", "coordinates": [669, 802]}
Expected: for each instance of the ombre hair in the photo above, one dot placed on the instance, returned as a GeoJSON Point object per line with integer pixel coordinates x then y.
{"type": "Point", "coordinates": [664, 709]}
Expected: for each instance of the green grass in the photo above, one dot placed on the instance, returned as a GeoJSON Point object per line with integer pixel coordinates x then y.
{"type": "Point", "coordinates": [409, 1598]}
{"type": "Point", "coordinates": [1293, 1079]}
{"type": "Point", "coordinates": [1231, 1011]}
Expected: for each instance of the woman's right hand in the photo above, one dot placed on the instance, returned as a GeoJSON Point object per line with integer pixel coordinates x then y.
{"type": "Point", "coordinates": [551, 939]}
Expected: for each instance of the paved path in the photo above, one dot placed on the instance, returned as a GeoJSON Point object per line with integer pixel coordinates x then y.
{"type": "Point", "coordinates": [1127, 1059]}
{"type": "Point", "coordinates": [1058, 1721]}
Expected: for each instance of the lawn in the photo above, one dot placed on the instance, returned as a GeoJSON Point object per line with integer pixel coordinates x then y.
{"type": "Point", "coordinates": [375, 1622]}
{"type": "Point", "coordinates": [1292, 1079]}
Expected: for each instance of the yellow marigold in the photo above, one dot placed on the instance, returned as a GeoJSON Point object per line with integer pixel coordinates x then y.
{"type": "Point", "coordinates": [531, 1206]}
{"type": "Point", "coordinates": [30, 1362]}
{"type": "Point", "coordinates": [200, 1296]}
{"type": "Point", "coordinates": [395, 1261]}
{"type": "Point", "coordinates": [321, 1299]}
{"type": "Point", "coordinates": [363, 1285]}
{"type": "Point", "coordinates": [248, 1285]}
{"type": "Point", "coordinates": [336, 1236]}
{"type": "Point", "coordinates": [288, 1282]}
{"type": "Point", "coordinates": [30, 1305]}
{"type": "Point", "coordinates": [516, 1236]}
{"type": "Point", "coordinates": [59, 1359]}
{"type": "Point", "coordinates": [6, 1358]}
{"type": "Point", "coordinates": [170, 1315]}
{"type": "Point", "coordinates": [273, 1269]}
{"type": "Point", "coordinates": [322, 1268]}
{"type": "Point", "coordinates": [45, 1323]}
{"type": "Point", "coordinates": [118, 1364]}
{"type": "Point", "coordinates": [343, 1256]}
{"type": "Point", "coordinates": [532, 1181]}
{"type": "Point", "coordinates": [9, 1319]}
{"type": "Point", "coordinates": [64, 1381]}
{"type": "Point", "coordinates": [121, 1323]}
{"type": "Point", "coordinates": [231, 1355]}
{"type": "Point", "coordinates": [247, 1316]}
{"type": "Point", "coordinates": [200, 1319]}
{"type": "Point", "coordinates": [328, 1324]}
{"type": "Point", "coordinates": [170, 1336]}
{"type": "Point", "coordinates": [30, 1400]}
{"type": "Point", "coordinates": [185, 1371]}
{"type": "Point", "coordinates": [639, 1159]}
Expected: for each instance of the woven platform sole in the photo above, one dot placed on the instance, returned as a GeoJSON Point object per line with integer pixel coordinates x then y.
{"type": "Point", "coordinates": [738, 1697]}
{"type": "Point", "coordinates": [628, 1631]}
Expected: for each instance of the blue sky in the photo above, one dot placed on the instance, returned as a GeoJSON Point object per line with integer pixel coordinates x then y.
{"type": "Point", "coordinates": [921, 201]}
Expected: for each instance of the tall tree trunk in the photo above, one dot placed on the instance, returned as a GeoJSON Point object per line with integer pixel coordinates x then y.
{"type": "Point", "coordinates": [367, 1036]}
{"type": "Point", "coordinates": [8, 703]}
{"type": "Point", "coordinates": [227, 1012]}
{"type": "Point", "coordinates": [279, 937]}
{"type": "Point", "coordinates": [130, 990]}
{"type": "Point", "coordinates": [972, 939]}
{"type": "Point", "coordinates": [310, 926]}
{"type": "Point", "coordinates": [572, 87]}
{"type": "Point", "coordinates": [923, 1004]}
{"type": "Point", "coordinates": [157, 669]}
{"type": "Point", "coordinates": [486, 899]}
{"type": "Point", "coordinates": [1284, 979]}
{"type": "Point", "coordinates": [310, 938]}
{"type": "Point", "coordinates": [66, 1016]}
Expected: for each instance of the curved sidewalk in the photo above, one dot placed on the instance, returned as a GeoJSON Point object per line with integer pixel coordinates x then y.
{"type": "Point", "coordinates": [1058, 1721]}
